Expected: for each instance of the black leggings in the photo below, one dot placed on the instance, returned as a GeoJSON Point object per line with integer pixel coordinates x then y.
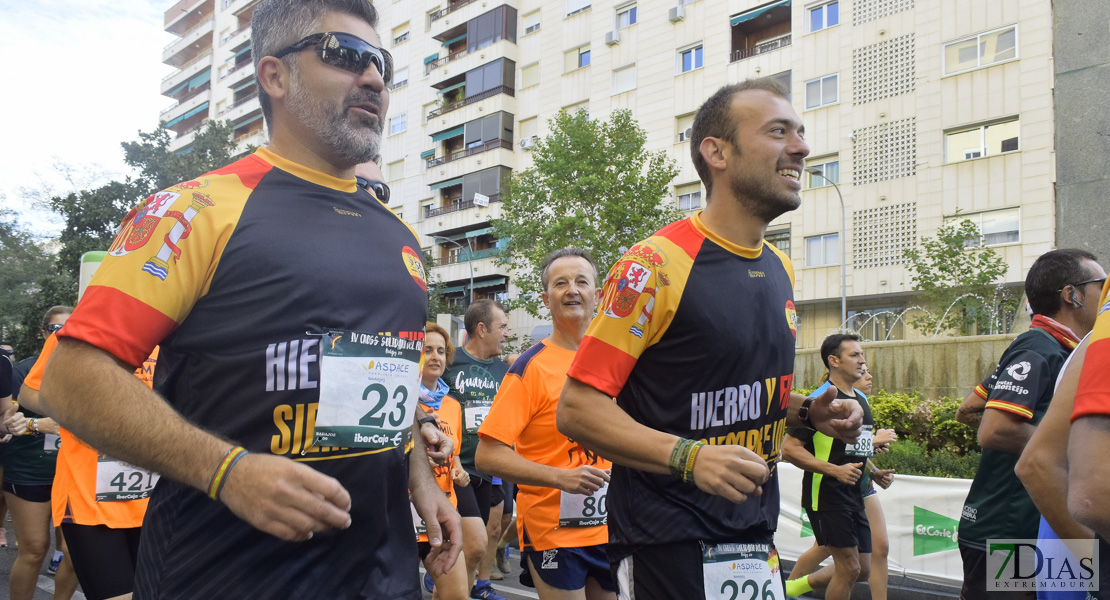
{"type": "Point", "coordinates": [104, 558]}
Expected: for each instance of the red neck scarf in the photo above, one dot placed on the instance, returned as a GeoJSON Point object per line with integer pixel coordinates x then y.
{"type": "Point", "coordinates": [1061, 333]}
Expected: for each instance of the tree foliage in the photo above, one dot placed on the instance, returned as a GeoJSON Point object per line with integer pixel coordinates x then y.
{"type": "Point", "coordinates": [592, 185]}
{"type": "Point", "coordinates": [961, 281]}
{"type": "Point", "coordinates": [31, 283]}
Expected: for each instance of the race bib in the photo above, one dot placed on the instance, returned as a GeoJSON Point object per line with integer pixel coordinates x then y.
{"type": "Point", "coordinates": [864, 445]}
{"type": "Point", "coordinates": [51, 442]}
{"type": "Point", "coordinates": [369, 386]}
{"type": "Point", "coordinates": [580, 510]}
{"type": "Point", "coordinates": [741, 572]}
{"type": "Point", "coordinates": [476, 413]}
{"type": "Point", "coordinates": [117, 481]}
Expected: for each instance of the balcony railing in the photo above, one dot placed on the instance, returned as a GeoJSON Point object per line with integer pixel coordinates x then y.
{"type": "Point", "coordinates": [768, 46]}
{"type": "Point", "coordinates": [446, 108]}
{"type": "Point", "coordinates": [202, 56]}
{"type": "Point", "coordinates": [485, 147]}
{"type": "Point", "coordinates": [439, 62]}
{"type": "Point", "coordinates": [228, 37]}
{"type": "Point", "coordinates": [439, 14]}
{"type": "Point", "coordinates": [190, 32]}
{"type": "Point", "coordinates": [465, 255]}
{"type": "Point", "coordinates": [240, 102]}
{"type": "Point", "coordinates": [455, 207]}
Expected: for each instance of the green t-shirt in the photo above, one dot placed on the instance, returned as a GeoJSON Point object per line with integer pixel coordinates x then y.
{"type": "Point", "coordinates": [474, 383]}
{"type": "Point", "coordinates": [30, 459]}
{"type": "Point", "coordinates": [997, 506]}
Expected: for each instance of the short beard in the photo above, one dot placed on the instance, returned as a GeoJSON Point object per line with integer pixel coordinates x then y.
{"type": "Point", "coordinates": [759, 198]}
{"type": "Point", "coordinates": [352, 144]}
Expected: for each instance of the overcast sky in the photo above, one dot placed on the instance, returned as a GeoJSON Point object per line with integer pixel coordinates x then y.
{"type": "Point", "coordinates": [78, 77]}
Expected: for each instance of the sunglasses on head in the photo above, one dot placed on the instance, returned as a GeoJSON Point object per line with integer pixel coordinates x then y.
{"type": "Point", "coordinates": [345, 51]}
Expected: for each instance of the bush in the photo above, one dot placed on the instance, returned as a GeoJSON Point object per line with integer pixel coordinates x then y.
{"type": "Point", "coordinates": [908, 457]}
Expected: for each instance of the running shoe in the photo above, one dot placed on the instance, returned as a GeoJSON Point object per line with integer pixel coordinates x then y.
{"type": "Point", "coordinates": [54, 564]}
{"type": "Point", "coordinates": [3, 538]}
{"type": "Point", "coordinates": [496, 575]}
{"type": "Point", "coordinates": [485, 593]}
{"type": "Point", "coordinates": [429, 583]}
{"type": "Point", "coordinates": [503, 560]}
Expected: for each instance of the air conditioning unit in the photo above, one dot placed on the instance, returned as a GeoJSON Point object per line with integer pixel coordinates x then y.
{"type": "Point", "coordinates": [526, 143]}
{"type": "Point", "coordinates": [676, 14]}
{"type": "Point", "coordinates": [612, 38]}
{"type": "Point", "coordinates": [686, 134]}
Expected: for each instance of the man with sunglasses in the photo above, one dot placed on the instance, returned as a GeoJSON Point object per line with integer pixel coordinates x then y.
{"type": "Point", "coordinates": [1062, 287]}
{"type": "Point", "coordinates": [289, 305]}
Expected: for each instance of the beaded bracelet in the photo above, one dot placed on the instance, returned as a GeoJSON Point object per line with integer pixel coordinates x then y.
{"type": "Point", "coordinates": [216, 484]}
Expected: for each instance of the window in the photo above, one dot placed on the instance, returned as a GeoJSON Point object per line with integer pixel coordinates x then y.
{"type": "Point", "coordinates": [689, 59]}
{"type": "Point", "coordinates": [982, 140]}
{"type": "Point", "coordinates": [400, 79]}
{"type": "Point", "coordinates": [395, 170]}
{"type": "Point", "coordinates": [823, 250]}
{"type": "Point", "coordinates": [689, 196]}
{"type": "Point", "coordinates": [685, 126]}
{"type": "Point", "coordinates": [784, 79]}
{"type": "Point", "coordinates": [576, 6]}
{"type": "Point", "coordinates": [531, 22]}
{"type": "Point", "coordinates": [822, 91]}
{"type": "Point", "coordinates": [780, 240]}
{"type": "Point", "coordinates": [400, 34]}
{"type": "Point", "coordinates": [830, 168]}
{"type": "Point", "coordinates": [980, 50]}
{"type": "Point", "coordinates": [576, 59]}
{"type": "Point", "coordinates": [397, 124]}
{"type": "Point", "coordinates": [624, 79]}
{"type": "Point", "coordinates": [529, 76]}
{"type": "Point", "coordinates": [824, 16]}
{"type": "Point", "coordinates": [626, 16]}
{"type": "Point", "coordinates": [529, 128]}
{"type": "Point", "coordinates": [995, 227]}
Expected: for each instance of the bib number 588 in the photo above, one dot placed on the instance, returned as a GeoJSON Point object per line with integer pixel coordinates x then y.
{"type": "Point", "coordinates": [373, 418]}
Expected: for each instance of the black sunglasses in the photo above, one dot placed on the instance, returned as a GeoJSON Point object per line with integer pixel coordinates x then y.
{"type": "Point", "coordinates": [380, 189]}
{"type": "Point", "coordinates": [1100, 281]}
{"type": "Point", "coordinates": [53, 327]}
{"type": "Point", "coordinates": [345, 51]}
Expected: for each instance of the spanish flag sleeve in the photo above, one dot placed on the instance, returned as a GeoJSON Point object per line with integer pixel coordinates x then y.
{"type": "Point", "coordinates": [1093, 395]}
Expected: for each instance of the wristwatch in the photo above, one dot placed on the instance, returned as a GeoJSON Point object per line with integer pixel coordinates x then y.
{"type": "Point", "coordinates": [427, 419]}
{"type": "Point", "coordinates": [803, 414]}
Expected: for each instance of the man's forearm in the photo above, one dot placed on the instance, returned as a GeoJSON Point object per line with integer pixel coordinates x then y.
{"type": "Point", "coordinates": [1010, 438]}
{"type": "Point", "coordinates": [592, 419]}
{"type": "Point", "coordinates": [421, 478]}
{"type": "Point", "coordinates": [99, 399]}
{"type": "Point", "coordinates": [499, 460]}
{"type": "Point", "coordinates": [796, 454]}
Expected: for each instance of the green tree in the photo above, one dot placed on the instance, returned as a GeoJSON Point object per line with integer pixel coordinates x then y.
{"type": "Point", "coordinates": [437, 302]}
{"type": "Point", "coordinates": [960, 280]}
{"type": "Point", "coordinates": [30, 284]}
{"type": "Point", "coordinates": [92, 216]}
{"type": "Point", "coordinates": [592, 185]}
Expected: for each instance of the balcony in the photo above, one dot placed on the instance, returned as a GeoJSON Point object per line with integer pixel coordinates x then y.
{"type": "Point", "coordinates": [238, 103]}
{"type": "Point", "coordinates": [461, 272]}
{"type": "Point", "coordinates": [185, 138]}
{"type": "Point", "coordinates": [238, 7]}
{"type": "Point", "coordinates": [182, 108]}
{"type": "Point", "coordinates": [238, 74]}
{"type": "Point", "coordinates": [490, 145]}
{"type": "Point", "coordinates": [439, 14]}
{"type": "Point", "coordinates": [237, 37]}
{"type": "Point", "coordinates": [456, 207]}
{"type": "Point", "coordinates": [256, 137]}
{"type": "Point", "coordinates": [191, 44]}
{"type": "Point", "coordinates": [186, 14]}
{"type": "Point", "coordinates": [761, 48]}
{"type": "Point", "coordinates": [187, 72]}
{"type": "Point", "coordinates": [446, 108]}
{"type": "Point", "coordinates": [465, 255]}
{"type": "Point", "coordinates": [240, 109]}
{"type": "Point", "coordinates": [439, 62]}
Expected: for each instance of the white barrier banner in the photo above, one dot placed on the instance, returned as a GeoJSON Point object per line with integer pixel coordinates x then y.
{"type": "Point", "coordinates": [922, 516]}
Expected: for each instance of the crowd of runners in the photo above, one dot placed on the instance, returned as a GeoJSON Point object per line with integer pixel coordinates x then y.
{"type": "Point", "coordinates": [249, 400]}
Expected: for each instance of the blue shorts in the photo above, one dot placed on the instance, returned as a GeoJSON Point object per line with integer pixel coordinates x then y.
{"type": "Point", "coordinates": [568, 568]}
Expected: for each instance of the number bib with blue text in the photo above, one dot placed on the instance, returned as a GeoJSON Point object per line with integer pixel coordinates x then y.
{"type": "Point", "coordinates": [580, 510]}
{"type": "Point", "coordinates": [117, 481]}
{"type": "Point", "coordinates": [864, 446]}
{"type": "Point", "coordinates": [741, 572]}
{"type": "Point", "coordinates": [369, 386]}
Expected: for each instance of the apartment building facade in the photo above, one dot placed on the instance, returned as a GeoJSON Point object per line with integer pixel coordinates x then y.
{"type": "Point", "coordinates": [919, 111]}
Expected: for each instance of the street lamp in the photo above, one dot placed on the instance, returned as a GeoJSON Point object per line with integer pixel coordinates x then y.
{"type": "Point", "coordinates": [470, 268]}
{"type": "Point", "coordinates": [843, 246]}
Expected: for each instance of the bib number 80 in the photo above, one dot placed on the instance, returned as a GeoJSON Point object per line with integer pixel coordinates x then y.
{"type": "Point", "coordinates": [373, 418]}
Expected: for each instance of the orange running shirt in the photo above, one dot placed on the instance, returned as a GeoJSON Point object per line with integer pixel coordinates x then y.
{"type": "Point", "coordinates": [73, 498]}
{"type": "Point", "coordinates": [523, 414]}
{"type": "Point", "coordinates": [1093, 395]}
{"type": "Point", "coordinates": [449, 417]}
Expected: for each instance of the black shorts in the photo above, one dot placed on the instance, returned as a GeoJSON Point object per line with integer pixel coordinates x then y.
{"type": "Point", "coordinates": [665, 571]}
{"type": "Point", "coordinates": [509, 491]}
{"type": "Point", "coordinates": [846, 528]}
{"type": "Point", "coordinates": [568, 568]}
{"type": "Point", "coordinates": [975, 579]}
{"type": "Point", "coordinates": [468, 504]}
{"type": "Point", "coordinates": [103, 558]}
{"type": "Point", "coordinates": [35, 492]}
{"type": "Point", "coordinates": [486, 494]}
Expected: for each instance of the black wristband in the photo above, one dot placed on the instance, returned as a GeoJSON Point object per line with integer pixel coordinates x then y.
{"type": "Point", "coordinates": [803, 414]}
{"type": "Point", "coordinates": [427, 419]}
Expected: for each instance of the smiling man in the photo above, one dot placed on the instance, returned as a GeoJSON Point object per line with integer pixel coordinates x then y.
{"type": "Point", "coordinates": [694, 338]}
{"type": "Point", "coordinates": [283, 297]}
{"type": "Point", "coordinates": [561, 504]}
